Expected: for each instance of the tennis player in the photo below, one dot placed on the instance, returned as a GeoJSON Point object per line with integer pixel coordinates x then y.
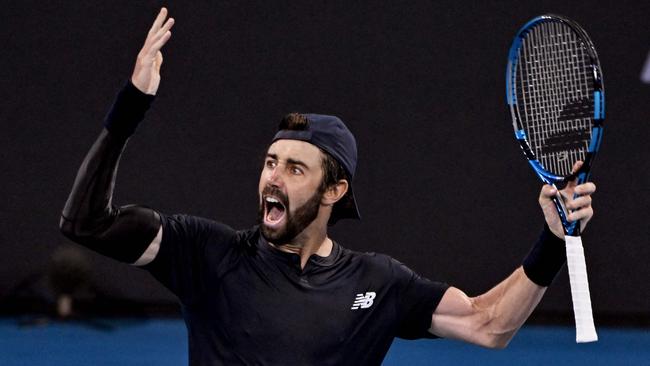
{"type": "Point", "coordinates": [283, 292]}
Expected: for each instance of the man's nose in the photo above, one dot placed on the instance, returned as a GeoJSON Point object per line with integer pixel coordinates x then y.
{"type": "Point", "coordinates": [274, 177]}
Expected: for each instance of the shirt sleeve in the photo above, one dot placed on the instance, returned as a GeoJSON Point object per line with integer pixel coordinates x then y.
{"type": "Point", "coordinates": [190, 246]}
{"type": "Point", "coordinates": [418, 299]}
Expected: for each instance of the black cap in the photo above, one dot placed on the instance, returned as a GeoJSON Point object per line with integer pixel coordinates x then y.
{"type": "Point", "coordinates": [331, 135]}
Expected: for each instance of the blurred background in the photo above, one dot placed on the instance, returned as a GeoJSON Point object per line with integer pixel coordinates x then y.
{"type": "Point", "coordinates": [441, 183]}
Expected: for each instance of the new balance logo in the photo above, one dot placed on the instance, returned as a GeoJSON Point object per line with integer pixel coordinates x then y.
{"type": "Point", "coordinates": [363, 301]}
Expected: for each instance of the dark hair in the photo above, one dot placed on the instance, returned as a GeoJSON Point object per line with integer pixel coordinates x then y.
{"type": "Point", "coordinates": [332, 170]}
{"type": "Point", "coordinates": [294, 121]}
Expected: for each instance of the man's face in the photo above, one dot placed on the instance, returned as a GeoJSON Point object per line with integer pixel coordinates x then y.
{"type": "Point", "coordinates": [289, 189]}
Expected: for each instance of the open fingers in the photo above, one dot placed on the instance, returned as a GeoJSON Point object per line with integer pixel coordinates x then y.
{"type": "Point", "coordinates": [163, 29]}
{"type": "Point", "coordinates": [160, 18]}
{"type": "Point", "coordinates": [155, 41]}
{"type": "Point", "coordinates": [155, 48]}
{"type": "Point", "coordinates": [163, 35]}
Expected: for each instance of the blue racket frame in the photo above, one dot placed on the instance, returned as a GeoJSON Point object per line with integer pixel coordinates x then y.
{"type": "Point", "coordinates": [571, 228]}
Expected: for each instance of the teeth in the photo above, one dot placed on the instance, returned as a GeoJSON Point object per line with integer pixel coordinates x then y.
{"type": "Point", "coordinates": [272, 200]}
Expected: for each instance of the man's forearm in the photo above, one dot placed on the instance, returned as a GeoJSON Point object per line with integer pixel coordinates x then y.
{"type": "Point", "coordinates": [493, 318]}
{"type": "Point", "coordinates": [509, 304]}
{"type": "Point", "coordinates": [89, 218]}
{"type": "Point", "coordinates": [512, 301]}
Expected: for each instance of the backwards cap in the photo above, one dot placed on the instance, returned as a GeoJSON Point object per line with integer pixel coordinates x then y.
{"type": "Point", "coordinates": [331, 135]}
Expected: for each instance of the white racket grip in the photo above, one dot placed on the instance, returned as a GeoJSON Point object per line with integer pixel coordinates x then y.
{"type": "Point", "coordinates": [575, 256]}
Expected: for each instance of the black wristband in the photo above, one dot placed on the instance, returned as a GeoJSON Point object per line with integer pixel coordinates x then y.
{"type": "Point", "coordinates": [127, 111]}
{"type": "Point", "coordinates": [545, 259]}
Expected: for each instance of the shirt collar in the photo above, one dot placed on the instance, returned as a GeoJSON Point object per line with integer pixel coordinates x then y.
{"type": "Point", "coordinates": [295, 258]}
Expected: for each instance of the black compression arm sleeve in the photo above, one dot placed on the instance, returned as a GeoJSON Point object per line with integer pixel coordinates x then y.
{"type": "Point", "coordinates": [89, 218]}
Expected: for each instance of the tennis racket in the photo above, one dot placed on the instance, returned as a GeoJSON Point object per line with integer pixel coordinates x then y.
{"type": "Point", "coordinates": [554, 88]}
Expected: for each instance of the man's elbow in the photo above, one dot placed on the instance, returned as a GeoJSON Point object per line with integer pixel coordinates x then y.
{"type": "Point", "coordinates": [498, 340]}
{"type": "Point", "coordinates": [498, 343]}
{"type": "Point", "coordinates": [79, 231]}
{"type": "Point", "coordinates": [493, 334]}
{"type": "Point", "coordinates": [69, 229]}
{"type": "Point", "coordinates": [65, 226]}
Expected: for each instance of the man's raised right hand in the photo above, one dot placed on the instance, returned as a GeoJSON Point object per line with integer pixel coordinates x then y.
{"type": "Point", "coordinates": [146, 74]}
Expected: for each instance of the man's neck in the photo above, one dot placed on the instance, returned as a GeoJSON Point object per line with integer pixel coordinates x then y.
{"type": "Point", "coordinates": [312, 240]}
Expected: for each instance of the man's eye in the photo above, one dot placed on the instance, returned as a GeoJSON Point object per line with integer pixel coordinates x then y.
{"type": "Point", "coordinates": [270, 164]}
{"type": "Point", "coordinates": [296, 171]}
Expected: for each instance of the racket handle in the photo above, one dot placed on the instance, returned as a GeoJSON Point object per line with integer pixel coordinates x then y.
{"type": "Point", "coordinates": [575, 255]}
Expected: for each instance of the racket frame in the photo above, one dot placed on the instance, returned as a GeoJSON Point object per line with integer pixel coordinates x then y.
{"type": "Point", "coordinates": [571, 228]}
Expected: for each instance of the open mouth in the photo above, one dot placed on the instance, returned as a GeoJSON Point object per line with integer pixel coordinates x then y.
{"type": "Point", "coordinates": [274, 211]}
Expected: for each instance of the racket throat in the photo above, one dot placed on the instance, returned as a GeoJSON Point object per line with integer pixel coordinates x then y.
{"type": "Point", "coordinates": [570, 228]}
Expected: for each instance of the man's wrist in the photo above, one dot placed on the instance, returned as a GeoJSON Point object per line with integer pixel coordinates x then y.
{"type": "Point", "coordinates": [545, 259]}
{"type": "Point", "coordinates": [127, 111]}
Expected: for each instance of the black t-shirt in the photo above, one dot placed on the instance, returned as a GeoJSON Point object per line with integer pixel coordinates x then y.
{"type": "Point", "coordinates": [246, 302]}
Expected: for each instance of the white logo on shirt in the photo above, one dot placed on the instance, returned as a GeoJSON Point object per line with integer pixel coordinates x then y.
{"type": "Point", "coordinates": [363, 301]}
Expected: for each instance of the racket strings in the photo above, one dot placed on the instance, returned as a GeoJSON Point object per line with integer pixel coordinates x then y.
{"type": "Point", "coordinates": [556, 90]}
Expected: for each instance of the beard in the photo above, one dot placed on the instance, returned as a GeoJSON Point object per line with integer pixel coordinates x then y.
{"type": "Point", "coordinates": [295, 222]}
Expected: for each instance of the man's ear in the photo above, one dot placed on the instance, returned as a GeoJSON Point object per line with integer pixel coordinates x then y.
{"type": "Point", "coordinates": [335, 192]}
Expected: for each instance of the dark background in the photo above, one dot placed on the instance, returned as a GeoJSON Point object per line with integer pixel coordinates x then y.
{"type": "Point", "coordinates": [441, 182]}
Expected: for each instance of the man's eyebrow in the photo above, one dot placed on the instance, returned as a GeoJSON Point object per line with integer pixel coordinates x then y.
{"type": "Point", "coordinates": [297, 162]}
{"type": "Point", "coordinates": [290, 161]}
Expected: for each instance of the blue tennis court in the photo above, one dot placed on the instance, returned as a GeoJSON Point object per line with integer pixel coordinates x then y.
{"type": "Point", "coordinates": [162, 342]}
